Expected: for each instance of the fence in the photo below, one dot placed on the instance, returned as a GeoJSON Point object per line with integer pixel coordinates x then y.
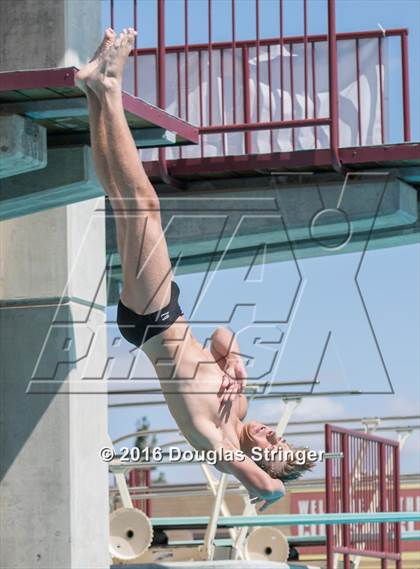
{"type": "Point", "coordinates": [265, 95]}
{"type": "Point", "coordinates": [365, 479]}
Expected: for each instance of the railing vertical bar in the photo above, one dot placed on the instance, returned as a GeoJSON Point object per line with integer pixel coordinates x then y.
{"type": "Point", "coordinates": [210, 91]}
{"type": "Point", "coordinates": [222, 73]}
{"type": "Point", "coordinates": [366, 493]}
{"type": "Point", "coordinates": [305, 48]}
{"type": "Point", "coordinates": [281, 60]}
{"type": "Point", "coordinates": [186, 58]}
{"type": "Point", "coordinates": [200, 91]}
{"type": "Point", "coordinates": [373, 485]}
{"type": "Point", "coordinates": [257, 47]}
{"type": "Point", "coordinates": [333, 86]}
{"type": "Point", "coordinates": [292, 92]}
{"type": "Point", "coordinates": [381, 89]}
{"type": "Point", "coordinates": [405, 87]}
{"type": "Point", "coordinates": [329, 487]}
{"type": "Point", "coordinates": [397, 505]}
{"type": "Point", "coordinates": [314, 95]}
{"type": "Point", "coordinates": [112, 15]}
{"type": "Point", "coordinates": [382, 499]}
{"type": "Point", "coordinates": [161, 56]}
{"type": "Point", "coordinates": [246, 98]}
{"type": "Point", "coordinates": [270, 90]}
{"type": "Point", "coordinates": [179, 98]}
{"type": "Point", "coordinates": [390, 496]}
{"type": "Point", "coordinates": [161, 91]}
{"type": "Point", "coordinates": [136, 81]}
{"type": "Point", "coordinates": [345, 485]}
{"type": "Point", "coordinates": [360, 490]}
{"type": "Point", "coordinates": [359, 105]}
{"type": "Point", "coordinates": [376, 463]}
{"type": "Point", "coordinates": [233, 62]}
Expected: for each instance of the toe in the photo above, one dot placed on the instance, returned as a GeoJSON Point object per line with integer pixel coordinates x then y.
{"type": "Point", "coordinates": [132, 35]}
{"type": "Point", "coordinates": [119, 40]}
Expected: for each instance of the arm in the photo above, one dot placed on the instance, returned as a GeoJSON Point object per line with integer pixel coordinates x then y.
{"type": "Point", "coordinates": [223, 346]}
{"type": "Point", "coordinates": [242, 406]}
{"type": "Point", "coordinates": [225, 350]}
{"type": "Point", "coordinates": [258, 483]}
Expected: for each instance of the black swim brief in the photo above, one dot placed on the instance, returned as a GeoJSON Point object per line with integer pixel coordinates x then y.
{"type": "Point", "coordinates": [138, 328]}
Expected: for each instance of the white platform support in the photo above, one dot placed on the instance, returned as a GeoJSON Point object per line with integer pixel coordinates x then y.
{"type": "Point", "coordinates": [249, 508]}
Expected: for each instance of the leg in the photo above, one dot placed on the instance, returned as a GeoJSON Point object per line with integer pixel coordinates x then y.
{"type": "Point", "coordinates": [100, 153]}
{"type": "Point", "coordinates": [146, 265]}
{"type": "Point", "coordinates": [98, 135]}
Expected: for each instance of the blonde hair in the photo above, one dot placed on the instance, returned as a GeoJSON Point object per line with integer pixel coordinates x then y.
{"type": "Point", "coordinates": [296, 463]}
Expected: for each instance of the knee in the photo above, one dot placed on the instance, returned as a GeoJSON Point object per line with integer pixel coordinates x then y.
{"type": "Point", "coordinates": [147, 203]}
{"type": "Point", "coordinates": [152, 204]}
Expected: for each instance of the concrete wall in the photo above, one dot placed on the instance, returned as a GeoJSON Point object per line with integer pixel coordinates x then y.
{"type": "Point", "coordinates": [48, 33]}
{"type": "Point", "coordinates": [53, 484]}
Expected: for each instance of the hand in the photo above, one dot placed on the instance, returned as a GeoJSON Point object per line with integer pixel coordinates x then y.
{"type": "Point", "coordinates": [234, 378]}
{"type": "Point", "coordinates": [265, 503]}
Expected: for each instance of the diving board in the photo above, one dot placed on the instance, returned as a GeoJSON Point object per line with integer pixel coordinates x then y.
{"type": "Point", "coordinates": [45, 154]}
{"type": "Point", "coordinates": [51, 98]}
{"type": "Point", "coordinates": [195, 522]}
{"type": "Point", "coordinates": [222, 564]}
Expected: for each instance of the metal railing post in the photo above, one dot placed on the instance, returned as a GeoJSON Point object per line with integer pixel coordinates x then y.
{"type": "Point", "coordinates": [333, 87]}
{"type": "Point", "coordinates": [246, 98]}
{"type": "Point", "coordinates": [328, 495]}
{"type": "Point", "coordinates": [405, 86]}
{"type": "Point", "coordinates": [161, 93]}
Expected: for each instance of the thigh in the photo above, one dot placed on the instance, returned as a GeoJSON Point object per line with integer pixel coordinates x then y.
{"type": "Point", "coordinates": [146, 267]}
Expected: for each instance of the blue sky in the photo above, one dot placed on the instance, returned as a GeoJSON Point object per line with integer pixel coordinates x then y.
{"type": "Point", "coordinates": [389, 279]}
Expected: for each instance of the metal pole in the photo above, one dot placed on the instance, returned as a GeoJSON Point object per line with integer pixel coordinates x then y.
{"type": "Point", "coordinates": [405, 86]}
{"type": "Point", "coordinates": [333, 87]}
{"type": "Point", "coordinates": [328, 496]}
{"type": "Point", "coordinates": [382, 500]}
{"type": "Point", "coordinates": [246, 98]}
{"type": "Point", "coordinates": [397, 505]}
{"type": "Point", "coordinates": [161, 93]}
{"type": "Point", "coordinates": [345, 492]}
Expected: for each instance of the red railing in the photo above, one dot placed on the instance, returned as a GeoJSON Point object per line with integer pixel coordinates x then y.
{"type": "Point", "coordinates": [365, 479]}
{"type": "Point", "coordinates": [245, 118]}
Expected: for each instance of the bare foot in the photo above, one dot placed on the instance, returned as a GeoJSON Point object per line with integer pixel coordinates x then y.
{"type": "Point", "coordinates": [88, 69]}
{"type": "Point", "coordinates": [109, 73]}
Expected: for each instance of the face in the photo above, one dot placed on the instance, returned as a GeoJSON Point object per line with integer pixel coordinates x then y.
{"type": "Point", "coordinates": [259, 435]}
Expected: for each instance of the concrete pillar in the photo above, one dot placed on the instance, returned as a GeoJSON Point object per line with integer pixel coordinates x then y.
{"type": "Point", "coordinates": [53, 484]}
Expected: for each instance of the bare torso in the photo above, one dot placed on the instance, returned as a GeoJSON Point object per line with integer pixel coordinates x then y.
{"type": "Point", "coordinates": [190, 379]}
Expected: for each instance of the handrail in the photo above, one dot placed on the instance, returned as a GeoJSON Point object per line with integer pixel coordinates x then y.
{"type": "Point", "coordinates": [287, 40]}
